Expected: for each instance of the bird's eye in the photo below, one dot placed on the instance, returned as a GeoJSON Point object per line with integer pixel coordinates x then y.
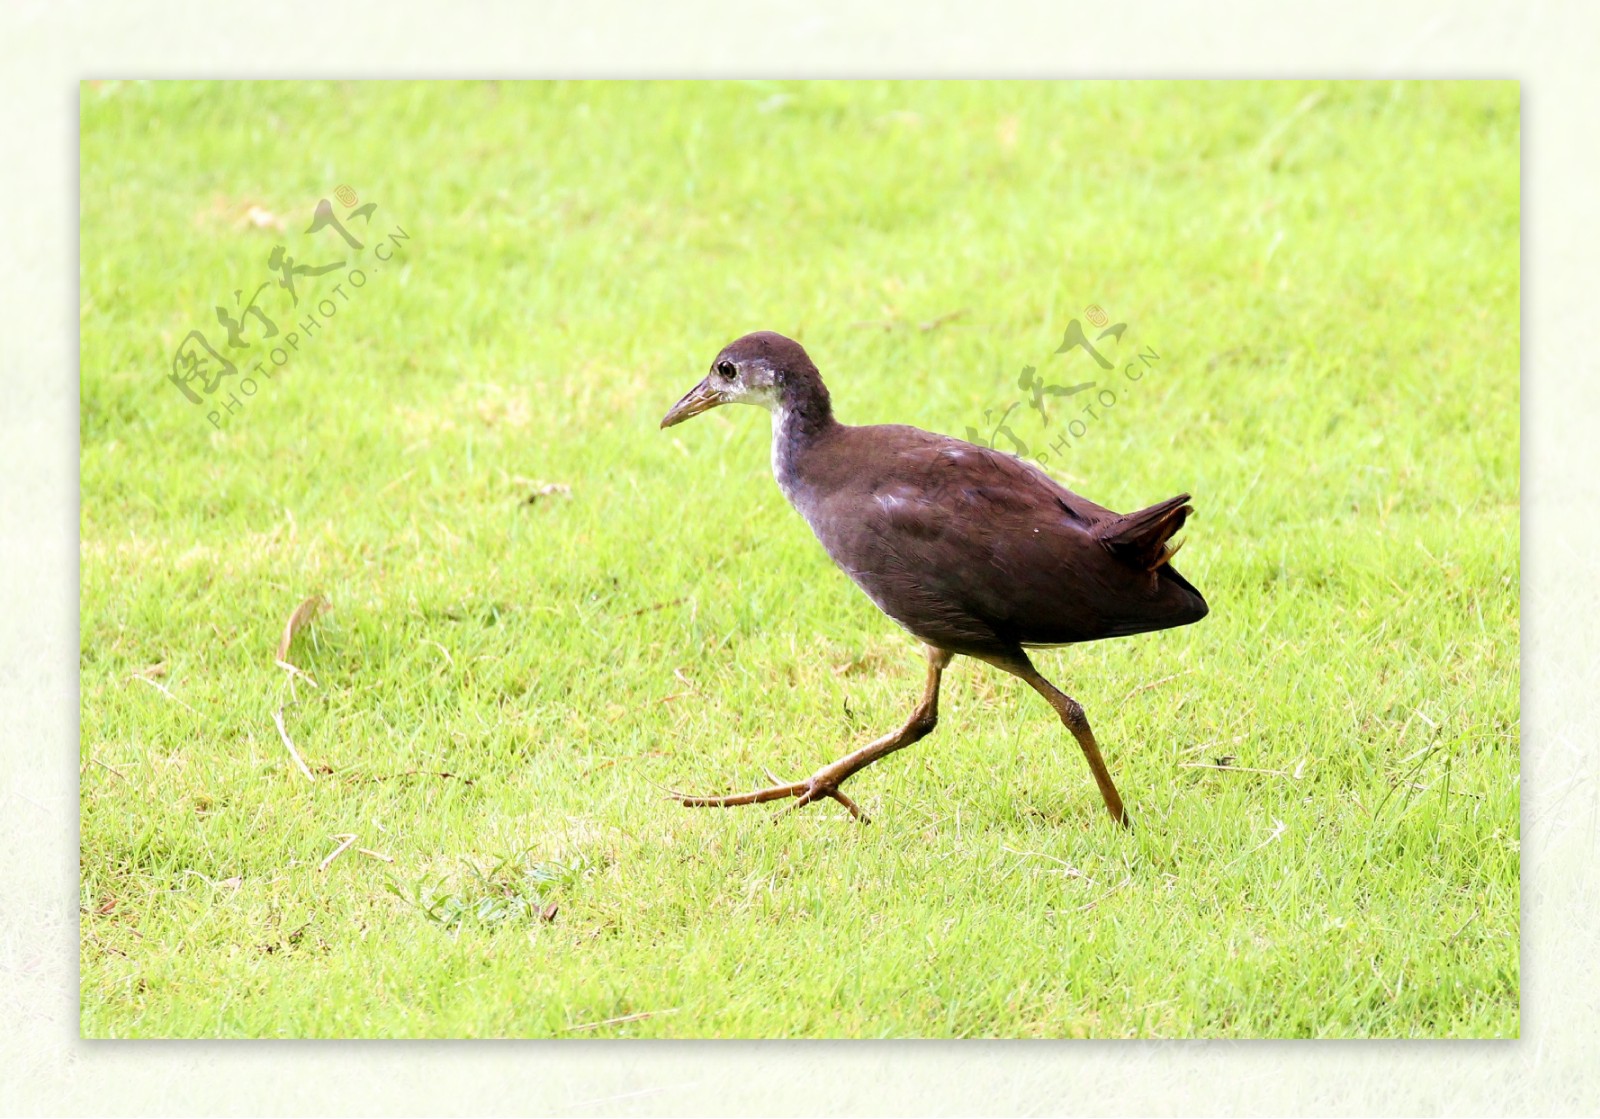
{"type": "Point", "coordinates": [726, 370]}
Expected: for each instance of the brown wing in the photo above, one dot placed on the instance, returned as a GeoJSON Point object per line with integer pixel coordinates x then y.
{"type": "Point", "coordinates": [975, 550]}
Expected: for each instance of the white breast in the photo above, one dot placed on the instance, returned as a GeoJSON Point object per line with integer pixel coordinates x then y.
{"type": "Point", "coordinates": [780, 468]}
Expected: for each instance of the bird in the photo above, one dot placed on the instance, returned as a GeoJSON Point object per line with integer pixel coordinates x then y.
{"type": "Point", "coordinates": [974, 551]}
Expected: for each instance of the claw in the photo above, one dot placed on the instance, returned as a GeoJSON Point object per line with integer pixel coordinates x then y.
{"type": "Point", "coordinates": [825, 782]}
{"type": "Point", "coordinates": [855, 809]}
{"type": "Point", "coordinates": [804, 793]}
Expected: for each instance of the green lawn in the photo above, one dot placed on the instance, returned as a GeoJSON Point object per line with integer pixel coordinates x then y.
{"type": "Point", "coordinates": [508, 677]}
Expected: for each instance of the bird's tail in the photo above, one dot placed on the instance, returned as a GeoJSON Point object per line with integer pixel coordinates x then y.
{"type": "Point", "coordinates": [1144, 538]}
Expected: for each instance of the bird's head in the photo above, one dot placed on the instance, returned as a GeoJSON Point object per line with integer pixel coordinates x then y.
{"type": "Point", "coordinates": [760, 368]}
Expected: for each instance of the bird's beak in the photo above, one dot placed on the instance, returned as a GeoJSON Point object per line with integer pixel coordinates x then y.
{"type": "Point", "coordinates": [699, 399]}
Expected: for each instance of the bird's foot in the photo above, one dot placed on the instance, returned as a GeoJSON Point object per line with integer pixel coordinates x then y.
{"type": "Point", "coordinates": [820, 785]}
{"type": "Point", "coordinates": [817, 787]}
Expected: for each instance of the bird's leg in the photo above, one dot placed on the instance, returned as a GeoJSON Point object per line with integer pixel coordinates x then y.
{"type": "Point", "coordinates": [1071, 713]}
{"type": "Point", "coordinates": [825, 782]}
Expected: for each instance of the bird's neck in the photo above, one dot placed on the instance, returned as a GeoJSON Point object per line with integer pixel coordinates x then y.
{"type": "Point", "coordinates": [801, 417]}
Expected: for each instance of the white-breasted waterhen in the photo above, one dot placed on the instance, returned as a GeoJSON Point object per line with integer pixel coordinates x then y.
{"type": "Point", "coordinates": [974, 551]}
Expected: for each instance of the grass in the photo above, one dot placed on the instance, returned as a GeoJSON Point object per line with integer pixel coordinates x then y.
{"type": "Point", "coordinates": [1324, 771]}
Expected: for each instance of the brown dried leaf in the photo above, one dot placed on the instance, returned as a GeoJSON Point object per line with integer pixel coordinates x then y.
{"type": "Point", "coordinates": [543, 489]}
{"type": "Point", "coordinates": [240, 213]}
{"type": "Point", "coordinates": [302, 616]}
{"type": "Point", "coordinates": [262, 218]}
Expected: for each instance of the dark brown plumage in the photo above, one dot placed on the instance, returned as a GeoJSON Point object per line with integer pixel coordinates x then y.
{"type": "Point", "coordinates": [975, 552]}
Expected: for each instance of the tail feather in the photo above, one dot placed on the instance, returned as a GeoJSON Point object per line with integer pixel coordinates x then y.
{"type": "Point", "coordinates": [1142, 538]}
